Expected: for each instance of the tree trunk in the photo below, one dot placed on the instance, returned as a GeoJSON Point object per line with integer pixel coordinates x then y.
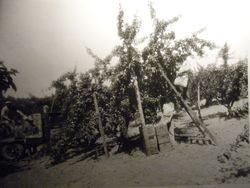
{"type": "Point", "coordinates": [199, 101]}
{"type": "Point", "coordinates": [100, 126]}
{"type": "Point", "coordinates": [229, 110]}
{"type": "Point", "coordinates": [190, 112]}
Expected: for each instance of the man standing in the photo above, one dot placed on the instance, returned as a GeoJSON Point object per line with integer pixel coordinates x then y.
{"type": "Point", "coordinates": [12, 119]}
{"type": "Point", "coordinates": [5, 112]}
{"type": "Point", "coordinates": [6, 126]}
{"type": "Point", "coordinates": [11, 114]}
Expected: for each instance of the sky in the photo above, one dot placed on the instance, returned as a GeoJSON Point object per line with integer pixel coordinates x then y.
{"type": "Point", "coordinates": [43, 39]}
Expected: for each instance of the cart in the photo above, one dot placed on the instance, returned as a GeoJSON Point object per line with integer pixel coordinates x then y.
{"type": "Point", "coordinates": [13, 148]}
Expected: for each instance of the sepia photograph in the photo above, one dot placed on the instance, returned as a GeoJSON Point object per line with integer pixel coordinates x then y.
{"type": "Point", "coordinates": [124, 93]}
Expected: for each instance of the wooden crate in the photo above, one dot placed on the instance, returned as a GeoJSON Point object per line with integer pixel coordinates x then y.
{"type": "Point", "coordinates": [165, 147]}
{"type": "Point", "coordinates": [163, 138]}
{"type": "Point", "coordinates": [161, 129]}
{"type": "Point", "coordinates": [152, 149]}
{"type": "Point", "coordinates": [149, 136]}
{"type": "Point", "coordinates": [150, 130]}
{"type": "Point", "coordinates": [162, 134]}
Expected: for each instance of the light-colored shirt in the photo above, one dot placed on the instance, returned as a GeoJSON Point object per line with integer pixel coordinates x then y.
{"type": "Point", "coordinates": [5, 113]}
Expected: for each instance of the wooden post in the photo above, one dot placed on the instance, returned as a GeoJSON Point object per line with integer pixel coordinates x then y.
{"type": "Point", "coordinates": [199, 101]}
{"type": "Point", "coordinates": [190, 112]}
{"type": "Point", "coordinates": [53, 103]}
{"type": "Point", "coordinates": [100, 126]}
{"type": "Point", "coordinates": [139, 105]}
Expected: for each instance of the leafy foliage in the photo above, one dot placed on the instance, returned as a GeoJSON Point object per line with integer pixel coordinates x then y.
{"type": "Point", "coordinates": [117, 102]}
{"type": "Point", "coordinates": [226, 84]}
{"type": "Point", "coordinates": [165, 49]}
{"type": "Point", "coordinates": [78, 108]}
{"type": "Point", "coordinates": [6, 80]}
{"type": "Point", "coordinates": [30, 104]}
{"type": "Point", "coordinates": [65, 90]}
{"type": "Point", "coordinates": [224, 54]}
{"type": "Point", "coordinates": [206, 77]}
{"type": "Point", "coordinates": [239, 112]}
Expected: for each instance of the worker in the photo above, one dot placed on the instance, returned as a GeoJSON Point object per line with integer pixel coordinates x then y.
{"type": "Point", "coordinates": [12, 118]}
{"type": "Point", "coordinates": [168, 112]}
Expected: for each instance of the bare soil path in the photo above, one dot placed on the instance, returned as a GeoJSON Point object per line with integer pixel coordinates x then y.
{"type": "Point", "coordinates": [185, 164]}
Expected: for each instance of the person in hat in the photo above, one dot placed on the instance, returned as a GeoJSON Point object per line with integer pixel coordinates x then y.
{"type": "Point", "coordinates": [12, 118]}
{"type": "Point", "coordinates": [6, 127]}
{"type": "Point", "coordinates": [5, 111]}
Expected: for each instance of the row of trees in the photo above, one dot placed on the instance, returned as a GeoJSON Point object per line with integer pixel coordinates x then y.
{"type": "Point", "coordinates": [117, 103]}
{"type": "Point", "coordinates": [225, 83]}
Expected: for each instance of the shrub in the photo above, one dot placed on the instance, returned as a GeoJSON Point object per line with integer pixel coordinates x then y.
{"type": "Point", "coordinates": [226, 84]}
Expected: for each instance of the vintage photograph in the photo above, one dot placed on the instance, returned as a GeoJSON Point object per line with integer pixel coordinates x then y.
{"type": "Point", "coordinates": [124, 93]}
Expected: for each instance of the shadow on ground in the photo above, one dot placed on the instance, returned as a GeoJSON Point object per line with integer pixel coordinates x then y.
{"type": "Point", "coordinates": [222, 115]}
{"type": "Point", "coordinates": [127, 146]}
{"type": "Point", "coordinates": [7, 168]}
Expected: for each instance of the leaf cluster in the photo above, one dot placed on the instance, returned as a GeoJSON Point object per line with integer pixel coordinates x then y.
{"type": "Point", "coordinates": [6, 79]}
{"type": "Point", "coordinates": [226, 84]}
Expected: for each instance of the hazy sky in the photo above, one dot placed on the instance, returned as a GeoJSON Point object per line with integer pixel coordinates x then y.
{"type": "Point", "coordinates": [44, 38]}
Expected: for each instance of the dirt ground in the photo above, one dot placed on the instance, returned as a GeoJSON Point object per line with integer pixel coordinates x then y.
{"type": "Point", "coordinates": [185, 164]}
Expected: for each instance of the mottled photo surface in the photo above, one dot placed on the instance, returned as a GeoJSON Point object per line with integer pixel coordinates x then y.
{"type": "Point", "coordinates": [118, 93]}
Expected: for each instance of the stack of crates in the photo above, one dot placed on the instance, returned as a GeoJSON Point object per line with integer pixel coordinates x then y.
{"type": "Point", "coordinates": [150, 140]}
{"type": "Point", "coordinates": [163, 139]}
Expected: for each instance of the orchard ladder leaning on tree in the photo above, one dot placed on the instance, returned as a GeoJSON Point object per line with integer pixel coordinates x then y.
{"type": "Point", "coordinates": [100, 126]}
{"type": "Point", "coordinates": [139, 106]}
{"type": "Point", "coordinates": [190, 112]}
